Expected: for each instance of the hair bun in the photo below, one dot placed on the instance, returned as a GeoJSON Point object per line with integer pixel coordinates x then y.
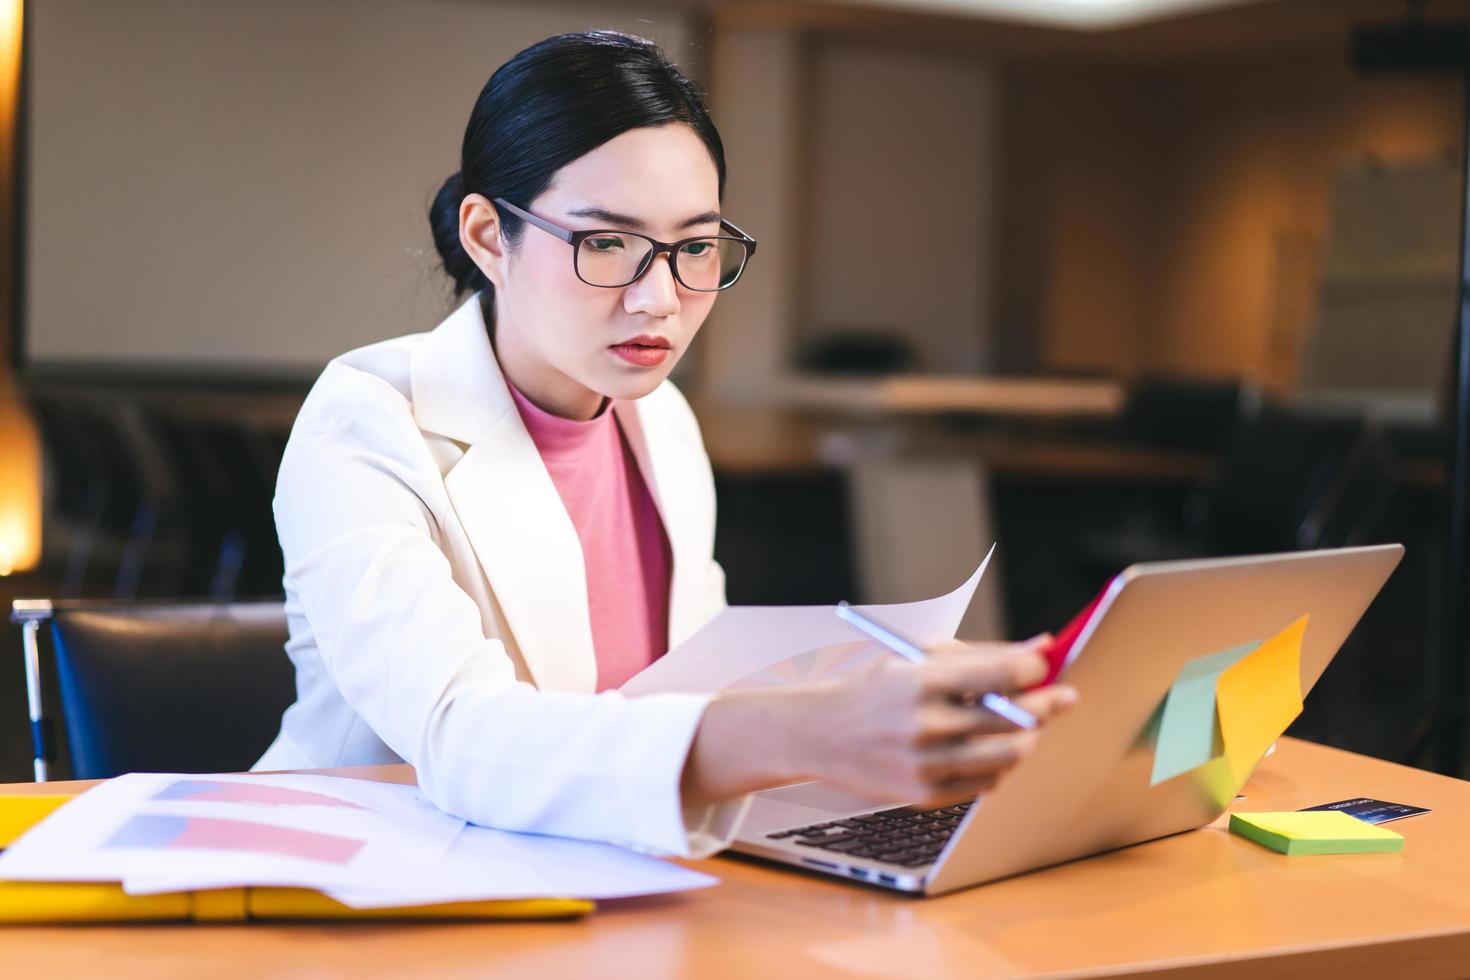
{"type": "Point", "coordinates": [444, 221]}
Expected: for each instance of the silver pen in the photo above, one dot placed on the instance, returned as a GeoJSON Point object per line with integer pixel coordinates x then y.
{"type": "Point", "coordinates": [997, 703]}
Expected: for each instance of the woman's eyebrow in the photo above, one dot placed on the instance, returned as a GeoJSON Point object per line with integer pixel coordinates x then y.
{"type": "Point", "coordinates": [612, 217]}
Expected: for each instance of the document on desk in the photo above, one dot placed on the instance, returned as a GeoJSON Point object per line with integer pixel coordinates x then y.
{"type": "Point", "coordinates": [486, 864]}
{"type": "Point", "coordinates": [747, 645]}
{"type": "Point", "coordinates": [364, 843]}
{"type": "Point", "coordinates": [226, 830]}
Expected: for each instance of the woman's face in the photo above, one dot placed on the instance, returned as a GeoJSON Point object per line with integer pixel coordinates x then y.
{"type": "Point", "coordinates": [567, 344]}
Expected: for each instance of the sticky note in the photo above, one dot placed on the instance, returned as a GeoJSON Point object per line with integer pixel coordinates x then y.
{"type": "Point", "coordinates": [1258, 697]}
{"type": "Point", "coordinates": [1315, 832]}
{"type": "Point", "coordinates": [1188, 733]}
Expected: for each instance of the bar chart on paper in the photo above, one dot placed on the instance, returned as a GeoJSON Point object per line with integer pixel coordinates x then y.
{"type": "Point", "coordinates": [163, 831]}
{"type": "Point", "coordinates": [167, 832]}
{"type": "Point", "coordinates": [366, 844]}
{"type": "Point", "coordinates": [264, 794]}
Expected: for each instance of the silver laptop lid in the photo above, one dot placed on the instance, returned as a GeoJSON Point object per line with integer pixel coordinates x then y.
{"type": "Point", "coordinates": [1087, 787]}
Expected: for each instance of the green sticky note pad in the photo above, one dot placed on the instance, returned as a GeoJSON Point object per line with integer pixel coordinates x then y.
{"type": "Point", "coordinates": [1315, 832]}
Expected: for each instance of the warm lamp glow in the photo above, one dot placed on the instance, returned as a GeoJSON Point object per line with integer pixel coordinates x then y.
{"type": "Point", "coordinates": [20, 487]}
{"type": "Point", "coordinates": [1081, 14]}
{"type": "Point", "coordinates": [20, 448]}
{"type": "Point", "coordinates": [10, 20]}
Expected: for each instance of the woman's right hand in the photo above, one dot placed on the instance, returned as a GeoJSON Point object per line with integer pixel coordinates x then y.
{"type": "Point", "coordinates": [891, 730]}
{"type": "Point", "coordinates": [915, 732]}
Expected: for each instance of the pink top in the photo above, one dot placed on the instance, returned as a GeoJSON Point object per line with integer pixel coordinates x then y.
{"type": "Point", "coordinates": [624, 547]}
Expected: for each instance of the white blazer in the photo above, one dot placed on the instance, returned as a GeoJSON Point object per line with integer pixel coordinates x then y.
{"type": "Point", "coordinates": [437, 599]}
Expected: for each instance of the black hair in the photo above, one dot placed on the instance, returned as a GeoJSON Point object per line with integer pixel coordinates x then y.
{"type": "Point", "coordinates": [556, 101]}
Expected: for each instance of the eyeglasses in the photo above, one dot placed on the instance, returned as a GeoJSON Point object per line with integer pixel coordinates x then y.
{"type": "Point", "coordinates": [611, 258]}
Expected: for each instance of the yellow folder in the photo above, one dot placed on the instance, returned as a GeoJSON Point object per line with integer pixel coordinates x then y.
{"type": "Point", "coordinates": [66, 901]}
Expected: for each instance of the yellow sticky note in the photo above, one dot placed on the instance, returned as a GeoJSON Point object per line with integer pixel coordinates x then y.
{"type": "Point", "coordinates": [1258, 697]}
{"type": "Point", "coordinates": [1315, 832]}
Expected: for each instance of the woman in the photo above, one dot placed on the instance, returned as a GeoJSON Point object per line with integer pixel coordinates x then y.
{"type": "Point", "coordinates": [489, 526]}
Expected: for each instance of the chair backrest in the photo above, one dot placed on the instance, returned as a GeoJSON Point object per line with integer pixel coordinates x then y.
{"type": "Point", "coordinates": [169, 687]}
{"type": "Point", "coordinates": [1182, 413]}
{"type": "Point", "coordinates": [1277, 472]}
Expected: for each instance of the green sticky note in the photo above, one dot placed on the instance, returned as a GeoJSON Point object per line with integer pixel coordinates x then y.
{"type": "Point", "coordinates": [1189, 732]}
{"type": "Point", "coordinates": [1315, 832]}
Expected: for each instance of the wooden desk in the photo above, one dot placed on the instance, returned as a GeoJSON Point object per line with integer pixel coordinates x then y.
{"type": "Point", "coordinates": [1203, 904]}
{"type": "Point", "coordinates": [744, 441]}
{"type": "Point", "coordinates": [917, 394]}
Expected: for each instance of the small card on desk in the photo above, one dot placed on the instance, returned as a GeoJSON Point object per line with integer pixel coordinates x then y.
{"type": "Point", "coordinates": [1371, 811]}
{"type": "Point", "coordinates": [1315, 832]}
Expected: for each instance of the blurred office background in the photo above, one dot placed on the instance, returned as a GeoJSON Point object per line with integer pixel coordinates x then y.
{"type": "Point", "coordinates": [1100, 283]}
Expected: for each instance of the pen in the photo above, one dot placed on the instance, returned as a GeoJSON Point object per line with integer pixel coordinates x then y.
{"type": "Point", "coordinates": [997, 703]}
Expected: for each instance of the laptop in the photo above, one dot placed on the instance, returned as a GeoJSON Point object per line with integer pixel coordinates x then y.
{"type": "Point", "coordinates": [1086, 788]}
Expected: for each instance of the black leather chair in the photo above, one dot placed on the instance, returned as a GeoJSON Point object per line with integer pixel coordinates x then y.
{"type": "Point", "coordinates": [196, 687]}
{"type": "Point", "coordinates": [1164, 412]}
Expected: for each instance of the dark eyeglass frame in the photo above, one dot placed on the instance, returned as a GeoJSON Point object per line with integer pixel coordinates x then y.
{"type": "Point", "coordinates": [575, 239]}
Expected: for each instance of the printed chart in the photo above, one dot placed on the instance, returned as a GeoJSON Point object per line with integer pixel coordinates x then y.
{"type": "Point", "coordinates": [215, 791]}
{"type": "Point", "coordinates": [153, 830]}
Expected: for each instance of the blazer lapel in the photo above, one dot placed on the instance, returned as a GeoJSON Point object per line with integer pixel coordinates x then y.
{"type": "Point", "coordinates": [506, 502]}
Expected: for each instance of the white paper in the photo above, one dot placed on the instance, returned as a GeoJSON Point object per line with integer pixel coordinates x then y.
{"type": "Point", "coordinates": [494, 864]}
{"type": "Point", "coordinates": [742, 645]}
{"type": "Point", "coordinates": [196, 831]}
{"type": "Point", "coordinates": [151, 832]}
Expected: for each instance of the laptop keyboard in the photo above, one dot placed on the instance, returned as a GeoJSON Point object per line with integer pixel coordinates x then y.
{"type": "Point", "coordinates": [904, 836]}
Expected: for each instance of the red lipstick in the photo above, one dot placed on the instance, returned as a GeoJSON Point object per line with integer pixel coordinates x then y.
{"type": "Point", "coordinates": [644, 350]}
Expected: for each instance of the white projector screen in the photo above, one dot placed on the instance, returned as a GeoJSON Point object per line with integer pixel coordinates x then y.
{"type": "Point", "coordinates": [242, 186]}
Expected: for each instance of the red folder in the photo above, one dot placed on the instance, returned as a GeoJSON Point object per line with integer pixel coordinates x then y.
{"type": "Point", "coordinates": [1057, 651]}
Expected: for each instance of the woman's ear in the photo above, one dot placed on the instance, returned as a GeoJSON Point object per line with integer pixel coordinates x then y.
{"type": "Point", "coordinates": [479, 234]}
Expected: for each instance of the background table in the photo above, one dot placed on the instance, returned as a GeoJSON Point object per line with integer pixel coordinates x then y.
{"type": "Point", "coordinates": [1202, 904]}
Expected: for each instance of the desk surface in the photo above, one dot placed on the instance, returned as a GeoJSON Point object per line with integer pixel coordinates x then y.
{"type": "Point", "coordinates": [753, 441]}
{"type": "Point", "coordinates": [919, 394]}
{"type": "Point", "coordinates": [1197, 904]}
